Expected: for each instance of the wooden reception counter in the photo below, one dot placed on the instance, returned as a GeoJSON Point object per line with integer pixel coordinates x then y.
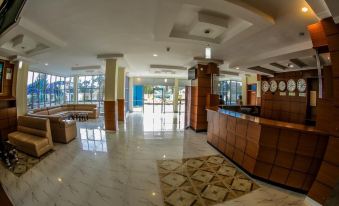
{"type": "Point", "coordinates": [286, 154]}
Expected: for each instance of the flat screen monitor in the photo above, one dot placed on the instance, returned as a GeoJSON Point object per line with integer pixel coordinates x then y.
{"type": "Point", "coordinates": [9, 13]}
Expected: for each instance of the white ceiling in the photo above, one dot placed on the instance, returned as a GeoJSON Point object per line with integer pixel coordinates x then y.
{"type": "Point", "coordinates": [140, 28]}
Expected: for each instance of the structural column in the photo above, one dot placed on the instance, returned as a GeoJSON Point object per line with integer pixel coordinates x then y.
{"type": "Point", "coordinates": [121, 94]}
{"type": "Point", "coordinates": [110, 103]}
{"type": "Point", "coordinates": [176, 96]}
{"type": "Point", "coordinates": [131, 84]}
{"type": "Point", "coordinates": [21, 88]}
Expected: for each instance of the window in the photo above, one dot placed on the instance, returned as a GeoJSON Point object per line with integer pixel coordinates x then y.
{"type": "Point", "coordinates": [230, 91]}
{"type": "Point", "coordinates": [44, 90]}
{"type": "Point", "coordinates": [91, 89]}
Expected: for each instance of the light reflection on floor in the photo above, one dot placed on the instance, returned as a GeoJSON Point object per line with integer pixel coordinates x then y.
{"type": "Point", "coordinates": [153, 122]}
{"type": "Point", "coordinates": [93, 140]}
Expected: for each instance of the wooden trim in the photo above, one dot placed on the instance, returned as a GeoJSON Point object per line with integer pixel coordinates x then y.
{"type": "Point", "coordinates": [121, 109]}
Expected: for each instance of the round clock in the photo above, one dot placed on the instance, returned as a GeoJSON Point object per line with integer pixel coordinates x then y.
{"type": "Point", "coordinates": [291, 85]}
{"type": "Point", "coordinates": [301, 85]}
{"type": "Point", "coordinates": [282, 86]}
{"type": "Point", "coordinates": [265, 86]}
{"type": "Point", "coordinates": [274, 86]}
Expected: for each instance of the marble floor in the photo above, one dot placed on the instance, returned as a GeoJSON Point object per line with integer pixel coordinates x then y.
{"type": "Point", "coordinates": [102, 168]}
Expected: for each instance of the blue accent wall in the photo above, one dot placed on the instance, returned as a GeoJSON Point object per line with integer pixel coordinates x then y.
{"type": "Point", "coordinates": [138, 96]}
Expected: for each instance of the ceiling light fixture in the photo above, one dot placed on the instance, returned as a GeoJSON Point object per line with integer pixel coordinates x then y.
{"type": "Point", "coordinates": [46, 64]}
{"type": "Point", "coordinates": [208, 52]}
{"type": "Point", "coordinates": [155, 55]}
{"type": "Point", "coordinates": [290, 65]}
{"type": "Point", "coordinates": [304, 9]}
{"type": "Point", "coordinates": [237, 68]}
{"type": "Point", "coordinates": [165, 80]}
{"type": "Point", "coordinates": [20, 64]}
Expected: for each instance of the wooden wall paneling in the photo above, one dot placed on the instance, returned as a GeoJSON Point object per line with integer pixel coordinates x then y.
{"type": "Point", "coordinates": [318, 35]}
{"type": "Point", "coordinates": [319, 192]}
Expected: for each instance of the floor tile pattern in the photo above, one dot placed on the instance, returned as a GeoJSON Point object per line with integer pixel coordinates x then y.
{"type": "Point", "coordinates": [202, 181]}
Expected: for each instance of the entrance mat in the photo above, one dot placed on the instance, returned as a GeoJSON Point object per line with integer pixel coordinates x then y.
{"type": "Point", "coordinates": [202, 181]}
{"type": "Point", "coordinates": [25, 162]}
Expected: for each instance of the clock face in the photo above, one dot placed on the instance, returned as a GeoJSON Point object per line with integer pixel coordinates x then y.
{"type": "Point", "coordinates": [282, 86]}
{"type": "Point", "coordinates": [301, 85]}
{"type": "Point", "coordinates": [274, 86]}
{"type": "Point", "coordinates": [291, 85]}
{"type": "Point", "coordinates": [265, 86]}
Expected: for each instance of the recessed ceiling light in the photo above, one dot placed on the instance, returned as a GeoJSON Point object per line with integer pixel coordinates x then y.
{"type": "Point", "coordinates": [46, 64]}
{"type": "Point", "coordinates": [155, 55]}
{"type": "Point", "coordinates": [237, 68]}
{"type": "Point", "coordinates": [290, 65]}
{"type": "Point", "coordinates": [165, 80]}
{"type": "Point", "coordinates": [59, 179]}
{"type": "Point", "coordinates": [304, 9]}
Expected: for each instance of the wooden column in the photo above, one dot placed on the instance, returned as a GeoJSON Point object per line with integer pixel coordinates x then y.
{"type": "Point", "coordinates": [325, 38]}
{"type": "Point", "coordinates": [110, 103]}
{"type": "Point", "coordinates": [201, 88]}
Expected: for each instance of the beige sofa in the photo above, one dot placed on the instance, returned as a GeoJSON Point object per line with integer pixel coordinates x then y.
{"type": "Point", "coordinates": [33, 136]}
{"type": "Point", "coordinates": [63, 110]}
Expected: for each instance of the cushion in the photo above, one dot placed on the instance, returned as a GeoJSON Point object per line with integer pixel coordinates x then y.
{"type": "Point", "coordinates": [54, 110]}
{"type": "Point", "coordinates": [32, 131]}
{"type": "Point", "coordinates": [42, 112]}
{"type": "Point", "coordinates": [28, 141]}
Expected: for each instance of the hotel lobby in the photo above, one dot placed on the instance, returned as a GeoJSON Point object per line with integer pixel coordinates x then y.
{"type": "Point", "coordinates": [169, 103]}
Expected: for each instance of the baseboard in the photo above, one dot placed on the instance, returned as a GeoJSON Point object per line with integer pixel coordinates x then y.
{"type": "Point", "coordinates": [310, 202]}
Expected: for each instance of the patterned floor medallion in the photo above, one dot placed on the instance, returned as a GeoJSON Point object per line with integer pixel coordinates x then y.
{"type": "Point", "coordinates": [202, 181]}
{"type": "Point", "coordinates": [26, 162]}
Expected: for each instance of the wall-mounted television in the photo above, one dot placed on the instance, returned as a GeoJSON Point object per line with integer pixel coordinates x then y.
{"type": "Point", "coordinates": [9, 13]}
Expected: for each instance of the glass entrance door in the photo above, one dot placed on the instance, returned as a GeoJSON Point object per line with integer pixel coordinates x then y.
{"type": "Point", "coordinates": [158, 99]}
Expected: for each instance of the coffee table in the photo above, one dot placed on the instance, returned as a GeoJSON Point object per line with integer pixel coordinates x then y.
{"type": "Point", "coordinates": [82, 116]}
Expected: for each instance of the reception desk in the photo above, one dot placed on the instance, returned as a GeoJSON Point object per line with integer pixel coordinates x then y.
{"type": "Point", "coordinates": [286, 154]}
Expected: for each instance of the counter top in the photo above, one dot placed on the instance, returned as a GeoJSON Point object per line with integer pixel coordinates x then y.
{"type": "Point", "coordinates": [268, 122]}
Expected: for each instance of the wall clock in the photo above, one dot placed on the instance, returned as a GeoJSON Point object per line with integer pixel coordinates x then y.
{"type": "Point", "coordinates": [265, 86]}
{"type": "Point", "coordinates": [301, 85]}
{"type": "Point", "coordinates": [282, 86]}
{"type": "Point", "coordinates": [274, 86]}
{"type": "Point", "coordinates": [291, 85]}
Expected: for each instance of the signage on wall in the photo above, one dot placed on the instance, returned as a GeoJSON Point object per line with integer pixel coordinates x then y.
{"type": "Point", "coordinates": [302, 94]}
{"type": "Point", "coordinates": [292, 94]}
{"type": "Point", "coordinates": [282, 93]}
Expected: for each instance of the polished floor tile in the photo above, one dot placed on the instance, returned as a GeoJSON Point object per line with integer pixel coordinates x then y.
{"type": "Point", "coordinates": [120, 168]}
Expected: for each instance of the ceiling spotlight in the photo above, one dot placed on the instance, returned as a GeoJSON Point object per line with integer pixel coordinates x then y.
{"type": "Point", "coordinates": [237, 68]}
{"type": "Point", "coordinates": [290, 65]}
{"type": "Point", "coordinates": [155, 55]}
{"type": "Point", "coordinates": [304, 9]}
{"type": "Point", "coordinates": [165, 80]}
{"type": "Point", "coordinates": [46, 64]}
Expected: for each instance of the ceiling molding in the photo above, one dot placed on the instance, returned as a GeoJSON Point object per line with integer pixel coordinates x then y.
{"type": "Point", "coordinates": [262, 70]}
{"type": "Point", "coordinates": [229, 73]}
{"type": "Point", "coordinates": [110, 56]}
{"type": "Point", "coordinates": [298, 62]}
{"type": "Point", "coordinates": [279, 66]}
{"type": "Point", "coordinates": [159, 66]}
{"type": "Point", "coordinates": [92, 67]}
{"type": "Point", "coordinates": [203, 60]}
